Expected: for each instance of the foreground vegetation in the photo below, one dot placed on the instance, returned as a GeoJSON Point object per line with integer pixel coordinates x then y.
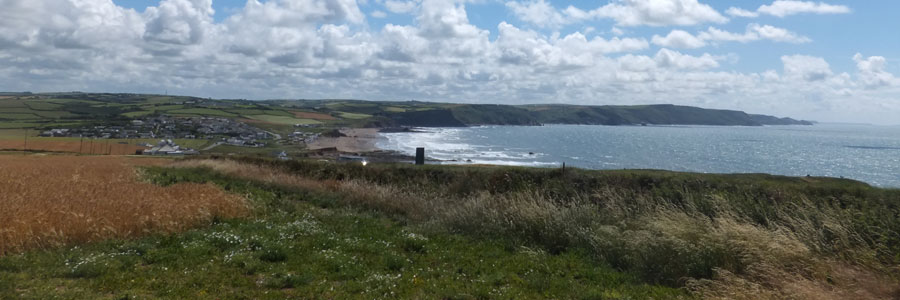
{"type": "Point", "coordinates": [728, 236]}
{"type": "Point", "coordinates": [51, 201]}
{"type": "Point", "coordinates": [328, 230]}
{"type": "Point", "coordinates": [307, 243]}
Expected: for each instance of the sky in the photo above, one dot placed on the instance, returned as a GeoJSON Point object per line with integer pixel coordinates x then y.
{"type": "Point", "coordinates": [830, 61]}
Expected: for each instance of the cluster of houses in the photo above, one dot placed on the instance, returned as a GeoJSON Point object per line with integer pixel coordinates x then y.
{"type": "Point", "coordinates": [167, 147]}
{"type": "Point", "coordinates": [244, 141]}
{"type": "Point", "coordinates": [167, 127]}
{"type": "Point", "coordinates": [303, 137]}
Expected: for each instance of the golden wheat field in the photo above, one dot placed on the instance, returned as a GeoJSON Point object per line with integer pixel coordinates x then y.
{"type": "Point", "coordinates": [48, 201]}
{"type": "Point", "coordinates": [86, 147]}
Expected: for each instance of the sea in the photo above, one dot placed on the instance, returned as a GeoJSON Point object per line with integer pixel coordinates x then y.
{"type": "Point", "coordinates": [867, 153]}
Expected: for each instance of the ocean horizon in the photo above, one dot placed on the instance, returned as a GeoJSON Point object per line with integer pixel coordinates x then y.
{"type": "Point", "coordinates": [868, 153]}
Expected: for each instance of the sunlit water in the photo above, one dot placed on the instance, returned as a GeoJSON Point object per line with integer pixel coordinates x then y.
{"type": "Point", "coordinates": [866, 153]}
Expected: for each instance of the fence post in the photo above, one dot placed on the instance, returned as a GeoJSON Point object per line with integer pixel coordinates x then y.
{"type": "Point", "coordinates": [420, 156]}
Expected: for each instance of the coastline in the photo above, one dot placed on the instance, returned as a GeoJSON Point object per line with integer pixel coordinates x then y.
{"type": "Point", "coordinates": [356, 140]}
{"type": "Point", "coordinates": [362, 142]}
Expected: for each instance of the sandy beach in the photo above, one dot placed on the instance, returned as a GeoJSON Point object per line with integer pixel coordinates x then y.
{"type": "Point", "coordinates": [357, 140]}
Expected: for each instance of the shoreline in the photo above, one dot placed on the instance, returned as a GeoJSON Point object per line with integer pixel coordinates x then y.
{"type": "Point", "coordinates": [356, 140]}
{"type": "Point", "coordinates": [359, 142]}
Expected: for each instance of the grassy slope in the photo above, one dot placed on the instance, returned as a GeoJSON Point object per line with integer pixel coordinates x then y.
{"type": "Point", "coordinates": [763, 235]}
{"type": "Point", "coordinates": [473, 232]}
{"type": "Point", "coordinates": [302, 245]}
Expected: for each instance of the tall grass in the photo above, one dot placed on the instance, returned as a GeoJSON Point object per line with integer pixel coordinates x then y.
{"type": "Point", "coordinates": [722, 236]}
{"type": "Point", "coordinates": [48, 201]}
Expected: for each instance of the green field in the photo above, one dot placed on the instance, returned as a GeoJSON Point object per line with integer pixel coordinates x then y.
{"type": "Point", "coordinates": [138, 114]}
{"type": "Point", "coordinates": [18, 116]}
{"type": "Point", "coordinates": [252, 112]}
{"type": "Point", "coordinates": [12, 125]}
{"type": "Point", "coordinates": [394, 109]}
{"type": "Point", "coordinates": [201, 112]}
{"type": "Point", "coordinates": [283, 120]}
{"type": "Point", "coordinates": [353, 116]}
{"type": "Point", "coordinates": [41, 105]}
{"type": "Point", "coordinates": [162, 107]}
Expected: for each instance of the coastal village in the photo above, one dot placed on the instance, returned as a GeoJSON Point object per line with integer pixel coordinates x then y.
{"type": "Point", "coordinates": [167, 129]}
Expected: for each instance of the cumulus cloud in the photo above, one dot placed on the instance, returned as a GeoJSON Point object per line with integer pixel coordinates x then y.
{"type": "Point", "coordinates": [525, 47]}
{"type": "Point", "coordinates": [666, 58]}
{"type": "Point", "coordinates": [806, 68]}
{"type": "Point", "coordinates": [784, 8]}
{"type": "Point", "coordinates": [538, 12]}
{"type": "Point", "coordinates": [739, 12]}
{"type": "Point", "coordinates": [754, 32]}
{"type": "Point", "coordinates": [180, 22]}
{"type": "Point", "coordinates": [872, 73]}
{"type": "Point", "coordinates": [658, 12]}
{"type": "Point", "coordinates": [624, 12]}
{"type": "Point", "coordinates": [678, 39]}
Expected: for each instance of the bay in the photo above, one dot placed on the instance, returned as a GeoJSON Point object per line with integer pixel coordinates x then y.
{"type": "Point", "coordinates": [862, 152]}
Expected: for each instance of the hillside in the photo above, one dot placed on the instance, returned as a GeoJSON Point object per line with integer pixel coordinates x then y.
{"type": "Point", "coordinates": [61, 110]}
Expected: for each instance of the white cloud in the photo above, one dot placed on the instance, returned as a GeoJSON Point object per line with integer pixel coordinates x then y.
{"type": "Point", "coordinates": [678, 39]}
{"type": "Point", "coordinates": [524, 47]}
{"type": "Point", "coordinates": [872, 73]}
{"type": "Point", "coordinates": [652, 13]}
{"type": "Point", "coordinates": [624, 12]}
{"type": "Point", "coordinates": [537, 12]}
{"type": "Point", "coordinates": [773, 33]}
{"type": "Point", "coordinates": [783, 8]}
{"type": "Point", "coordinates": [807, 68]}
{"type": "Point", "coordinates": [178, 22]}
{"type": "Point", "coordinates": [754, 32]}
{"type": "Point", "coordinates": [715, 34]}
{"type": "Point", "coordinates": [666, 58]}
{"type": "Point", "coordinates": [739, 12]}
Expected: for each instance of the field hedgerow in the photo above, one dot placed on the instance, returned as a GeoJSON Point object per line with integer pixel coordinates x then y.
{"type": "Point", "coordinates": [49, 201]}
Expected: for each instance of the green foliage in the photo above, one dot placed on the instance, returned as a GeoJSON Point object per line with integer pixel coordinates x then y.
{"type": "Point", "coordinates": [664, 226]}
{"type": "Point", "coordinates": [294, 249]}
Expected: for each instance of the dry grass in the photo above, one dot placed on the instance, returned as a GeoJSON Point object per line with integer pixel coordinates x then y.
{"type": "Point", "coordinates": [811, 252]}
{"type": "Point", "coordinates": [86, 147]}
{"type": "Point", "coordinates": [49, 201]}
